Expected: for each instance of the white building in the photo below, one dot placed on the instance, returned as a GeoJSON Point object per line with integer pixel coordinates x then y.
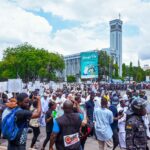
{"type": "Point", "coordinates": [146, 67]}
{"type": "Point", "coordinates": [72, 65]}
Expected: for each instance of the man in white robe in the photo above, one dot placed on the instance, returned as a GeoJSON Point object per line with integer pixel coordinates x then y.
{"type": "Point", "coordinates": [44, 104]}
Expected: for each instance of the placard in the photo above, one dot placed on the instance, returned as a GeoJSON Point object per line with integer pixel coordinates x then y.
{"type": "Point", "coordinates": [37, 85]}
{"type": "Point", "coordinates": [3, 87]}
{"type": "Point", "coordinates": [15, 85]}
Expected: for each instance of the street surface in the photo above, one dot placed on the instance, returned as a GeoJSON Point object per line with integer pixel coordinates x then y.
{"type": "Point", "coordinates": [91, 143]}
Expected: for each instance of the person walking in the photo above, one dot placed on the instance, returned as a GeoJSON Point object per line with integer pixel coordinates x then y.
{"type": "Point", "coordinates": [44, 104]}
{"type": "Point", "coordinates": [103, 118]}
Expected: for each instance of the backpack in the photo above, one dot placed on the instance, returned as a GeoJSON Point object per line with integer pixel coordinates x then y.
{"type": "Point", "coordinates": [10, 128]}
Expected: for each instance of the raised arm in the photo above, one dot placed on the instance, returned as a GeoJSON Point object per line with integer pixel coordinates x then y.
{"type": "Point", "coordinates": [38, 112]}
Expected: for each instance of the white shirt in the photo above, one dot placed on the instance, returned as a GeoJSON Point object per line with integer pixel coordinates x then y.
{"type": "Point", "coordinates": [122, 121]}
{"type": "Point", "coordinates": [59, 106]}
{"type": "Point", "coordinates": [146, 122]}
{"type": "Point", "coordinates": [44, 103]}
{"type": "Point", "coordinates": [97, 102]}
{"type": "Point", "coordinates": [83, 100]}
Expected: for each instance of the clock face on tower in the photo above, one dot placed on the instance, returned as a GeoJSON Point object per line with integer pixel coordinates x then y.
{"type": "Point", "coordinates": [113, 27]}
{"type": "Point", "coordinates": [116, 27]}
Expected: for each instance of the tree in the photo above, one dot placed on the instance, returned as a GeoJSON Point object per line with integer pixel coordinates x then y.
{"type": "Point", "coordinates": [130, 71]}
{"type": "Point", "coordinates": [105, 62]}
{"type": "Point", "coordinates": [30, 63]}
{"type": "Point", "coordinates": [138, 74]}
{"type": "Point", "coordinates": [124, 70]}
{"type": "Point", "coordinates": [116, 71]}
{"type": "Point", "coordinates": [71, 79]}
{"type": "Point", "coordinates": [147, 72]}
{"type": "Point", "coordinates": [139, 77]}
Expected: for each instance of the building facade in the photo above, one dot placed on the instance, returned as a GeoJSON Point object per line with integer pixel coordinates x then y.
{"type": "Point", "coordinates": [72, 62]}
{"type": "Point", "coordinates": [146, 67]}
{"type": "Point", "coordinates": [72, 65]}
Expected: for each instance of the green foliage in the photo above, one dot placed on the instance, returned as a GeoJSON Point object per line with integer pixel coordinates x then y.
{"type": "Point", "coordinates": [147, 72]}
{"type": "Point", "coordinates": [137, 73]}
{"type": "Point", "coordinates": [116, 70]}
{"type": "Point", "coordinates": [71, 79]}
{"type": "Point", "coordinates": [107, 66]}
{"type": "Point", "coordinates": [29, 63]}
{"type": "Point", "coordinates": [130, 70]}
{"type": "Point", "coordinates": [124, 70]}
{"type": "Point", "coordinates": [105, 62]}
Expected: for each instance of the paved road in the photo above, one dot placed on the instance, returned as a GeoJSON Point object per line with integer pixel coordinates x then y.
{"type": "Point", "coordinates": [90, 144]}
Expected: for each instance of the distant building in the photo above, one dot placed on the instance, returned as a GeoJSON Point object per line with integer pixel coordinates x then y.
{"type": "Point", "coordinates": [72, 65]}
{"type": "Point", "coordinates": [106, 50]}
{"type": "Point", "coordinates": [72, 62]}
{"type": "Point", "coordinates": [146, 67]}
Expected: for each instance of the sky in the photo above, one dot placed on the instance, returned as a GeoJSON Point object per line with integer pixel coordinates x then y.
{"type": "Point", "coordinates": [73, 26]}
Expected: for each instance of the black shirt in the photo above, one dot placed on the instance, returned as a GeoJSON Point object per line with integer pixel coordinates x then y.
{"type": "Point", "coordinates": [90, 109]}
{"type": "Point", "coordinates": [22, 118]}
{"type": "Point", "coordinates": [49, 125]}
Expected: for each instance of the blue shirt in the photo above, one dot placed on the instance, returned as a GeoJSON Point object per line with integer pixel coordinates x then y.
{"type": "Point", "coordinates": [56, 128]}
{"type": "Point", "coordinates": [114, 125]}
{"type": "Point", "coordinates": [103, 117]}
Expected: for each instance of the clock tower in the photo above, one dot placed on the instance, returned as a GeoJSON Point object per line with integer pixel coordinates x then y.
{"type": "Point", "coordinates": [116, 41]}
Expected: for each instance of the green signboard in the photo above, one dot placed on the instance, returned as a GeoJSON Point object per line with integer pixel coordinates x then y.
{"type": "Point", "coordinates": [89, 65]}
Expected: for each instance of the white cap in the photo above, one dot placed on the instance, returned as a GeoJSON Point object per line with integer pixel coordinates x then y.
{"type": "Point", "coordinates": [125, 97]}
{"type": "Point", "coordinates": [46, 95]}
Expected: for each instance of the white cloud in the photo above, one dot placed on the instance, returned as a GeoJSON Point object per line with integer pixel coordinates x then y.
{"type": "Point", "coordinates": [19, 26]}
{"type": "Point", "coordinates": [81, 40]}
{"type": "Point", "coordinates": [93, 14]}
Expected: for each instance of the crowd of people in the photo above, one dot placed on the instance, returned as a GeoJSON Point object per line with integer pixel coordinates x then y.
{"type": "Point", "coordinates": [72, 114]}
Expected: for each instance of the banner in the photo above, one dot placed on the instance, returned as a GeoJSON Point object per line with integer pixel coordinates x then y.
{"type": "Point", "coordinates": [37, 85]}
{"type": "Point", "coordinates": [89, 65]}
{"type": "Point", "coordinates": [3, 87]}
{"type": "Point", "coordinates": [15, 85]}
